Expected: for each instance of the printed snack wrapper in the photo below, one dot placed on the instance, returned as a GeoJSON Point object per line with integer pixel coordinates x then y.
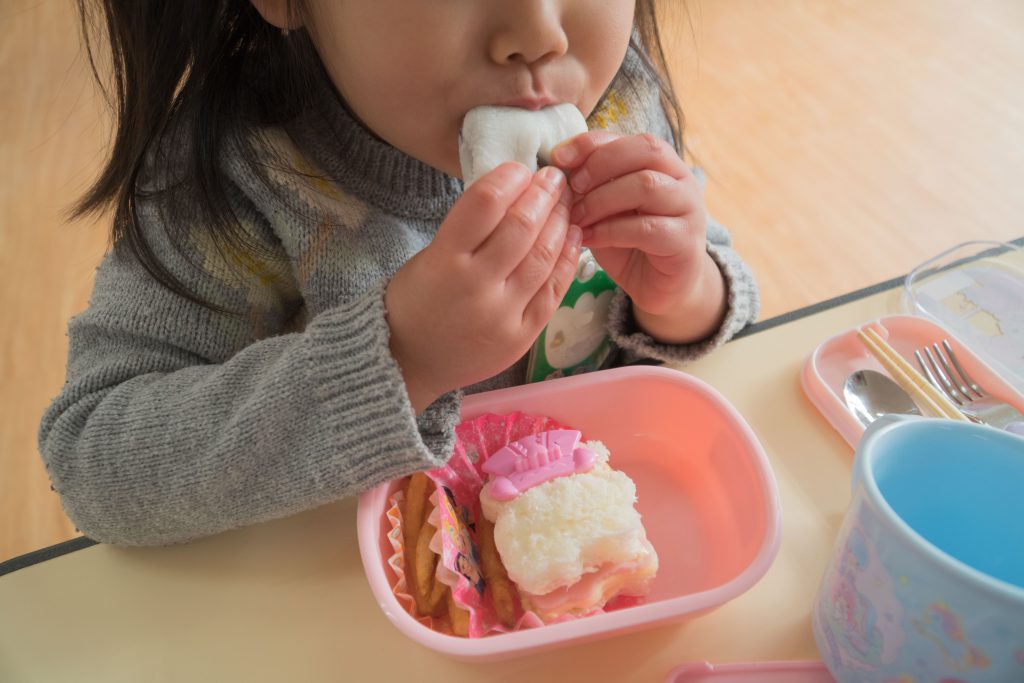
{"type": "Point", "coordinates": [576, 340]}
{"type": "Point", "coordinates": [456, 504]}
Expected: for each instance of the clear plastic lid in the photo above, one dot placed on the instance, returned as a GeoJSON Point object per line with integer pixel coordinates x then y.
{"type": "Point", "coordinates": [976, 291]}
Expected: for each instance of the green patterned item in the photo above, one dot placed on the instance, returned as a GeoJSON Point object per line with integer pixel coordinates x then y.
{"type": "Point", "coordinates": [576, 338]}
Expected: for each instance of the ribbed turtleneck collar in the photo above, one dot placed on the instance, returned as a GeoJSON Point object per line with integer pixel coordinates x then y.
{"type": "Point", "coordinates": [368, 167]}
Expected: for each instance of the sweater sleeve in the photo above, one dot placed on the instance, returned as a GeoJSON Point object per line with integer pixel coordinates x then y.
{"type": "Point", "coordinates": [175, 422]}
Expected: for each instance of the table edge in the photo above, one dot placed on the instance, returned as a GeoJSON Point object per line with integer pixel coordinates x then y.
{"type": "Point", "coordinates": [43, 554]}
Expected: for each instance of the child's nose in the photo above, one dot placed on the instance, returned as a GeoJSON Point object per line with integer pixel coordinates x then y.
{"type": "Point", "coordinates": [529, 31]}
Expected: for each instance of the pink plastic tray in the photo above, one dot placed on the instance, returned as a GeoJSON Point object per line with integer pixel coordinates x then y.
{"type": "Point", "coordinates": [754, 672]}
{"type": "Point", "coordinates": [837, 357]}
{"type": "Point", "coordinates": [706, 493]}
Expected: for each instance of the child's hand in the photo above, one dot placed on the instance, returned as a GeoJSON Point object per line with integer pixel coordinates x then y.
{"type": "Point", "coordinates": [642, 214]}
{"type": "Point", "coordinates": [473, 301]}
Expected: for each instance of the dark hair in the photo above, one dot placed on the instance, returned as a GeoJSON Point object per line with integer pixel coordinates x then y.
{"type": "Point", "coordinates": [209, 71]}
{"type": "Point", "coordinates": [647, 38]}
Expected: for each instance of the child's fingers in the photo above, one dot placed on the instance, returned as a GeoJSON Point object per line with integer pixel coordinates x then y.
{"type": "Point", "coordinates": [514, 236]}
{"type": "Point", "coordinates": [573, 152]}
{"type": "Point", "coordinates": [541, 255]}
{"type": "Point", "coordinates": [641, 192]}
{"type": "Point", "coordinates": [626, 155]}
{"type": "Point", "coordinates": [652, 234]}
{"type": "Point", "coordinates": [476, 213]}
{"type": "Point", "coordinates": [551, 292]}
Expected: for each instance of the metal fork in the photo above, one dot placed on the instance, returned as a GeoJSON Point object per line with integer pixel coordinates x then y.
{"type": "Point", "coordinates": [948, 376]}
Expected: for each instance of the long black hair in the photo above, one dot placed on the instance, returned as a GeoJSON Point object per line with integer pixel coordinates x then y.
{"type": "Point", "coordinates": [210, 70]}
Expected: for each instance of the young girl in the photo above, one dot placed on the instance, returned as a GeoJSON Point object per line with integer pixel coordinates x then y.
{"type": "Point", "coordinates": [299, 290]}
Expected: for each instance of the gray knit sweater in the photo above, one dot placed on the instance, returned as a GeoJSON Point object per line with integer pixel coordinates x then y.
{"type": "Point", "coordinates": [177, 421]}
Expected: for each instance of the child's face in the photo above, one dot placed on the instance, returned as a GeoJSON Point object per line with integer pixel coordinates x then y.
{"type": "Point", "coordinates": [411, 69]}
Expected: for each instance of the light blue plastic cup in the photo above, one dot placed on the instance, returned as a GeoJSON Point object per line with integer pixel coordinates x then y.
{"type": "Point", "coordinates": [926, 581]}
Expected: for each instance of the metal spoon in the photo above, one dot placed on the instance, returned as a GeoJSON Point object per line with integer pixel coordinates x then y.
{"type": "Point", "coordinates": [870, 394]}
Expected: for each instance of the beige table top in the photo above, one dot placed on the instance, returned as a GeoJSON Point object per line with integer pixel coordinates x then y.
{"type": "Point", "coordinates": [287, 600]}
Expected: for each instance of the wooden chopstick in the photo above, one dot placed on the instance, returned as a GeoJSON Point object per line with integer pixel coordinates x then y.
{"type": "Point", "coordinates": [919, 388]}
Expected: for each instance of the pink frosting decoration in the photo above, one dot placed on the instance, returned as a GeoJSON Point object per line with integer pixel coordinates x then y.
{"type": "Point", "coordinates": [535, 459]}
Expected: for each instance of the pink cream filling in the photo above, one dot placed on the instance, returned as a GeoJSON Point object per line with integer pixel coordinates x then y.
{"type": "Point", "coordinates": [594, 589]}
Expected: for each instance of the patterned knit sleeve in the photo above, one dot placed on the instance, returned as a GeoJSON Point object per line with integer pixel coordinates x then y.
{"type": "Point", "coordinates": [177, 421]}
{"type": "Point", "coordinates": [632, 106]}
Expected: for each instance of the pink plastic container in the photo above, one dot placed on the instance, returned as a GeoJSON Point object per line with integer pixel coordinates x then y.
{"type": "Point", "coordinates": [753, 672]}
{"type": "Point", "coordinates": [706, 493]}
{"type": "Point", "coordinates": [839, 356]}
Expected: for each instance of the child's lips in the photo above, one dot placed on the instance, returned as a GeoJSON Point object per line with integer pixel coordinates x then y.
{"type": "Point", "coordinates": [532, 103]}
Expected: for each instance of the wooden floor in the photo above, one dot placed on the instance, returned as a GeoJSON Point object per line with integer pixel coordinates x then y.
{"type": "Point", "coordinates": [845, 142]}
